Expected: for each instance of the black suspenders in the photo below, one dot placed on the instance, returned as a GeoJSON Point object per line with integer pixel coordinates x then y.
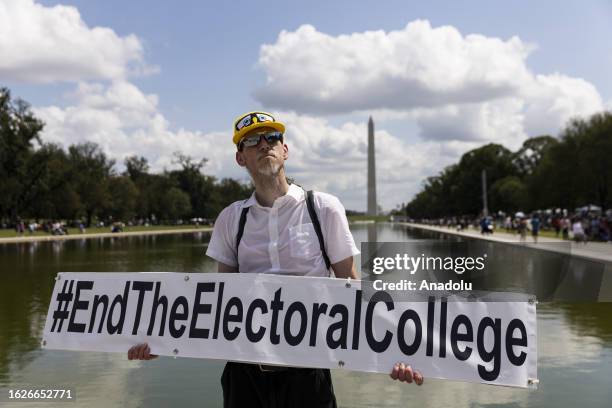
{"type": "Point", "coordinates": [316, 225]}
{"type": "Point", "coordinates": [241, 225]}
{"type": "Point", "coordinates": [313, 216]}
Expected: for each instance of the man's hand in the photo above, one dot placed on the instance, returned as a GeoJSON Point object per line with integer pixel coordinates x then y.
{"type": "Point", "coordinates": [405, 373]}
{"type": "Point", "coordinates": [141, 352]}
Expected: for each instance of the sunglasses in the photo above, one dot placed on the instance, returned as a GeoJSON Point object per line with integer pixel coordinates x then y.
{"type": "Point", "coordinates": [248, 120]}
{"type": "Point", "coordinates": [253, 140]}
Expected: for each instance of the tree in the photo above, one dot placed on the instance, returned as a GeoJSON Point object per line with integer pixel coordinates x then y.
{"type": "Point", "coordinates": [496, 160]}
{"type": "Point", "coordinates": [90, 173]}
{"type": "Point", "coordinates": [596, 159]}
{"type": "Point", "coordinates": [203, 193]}
{"type": "Point", "coordinates": [457, 190]}
{"type": "Point", "coordinates": [53, 195]}
{"type": "Point", "coordinates": [19, 130]}
{"type": "Point", "coordinates": [175, 204]}
{"type": "Point", "coordinates": [231, 190]}
{"type": "Point", "coordinates": [43, 180]}
{"type": "Point", "coordinates": [577, 171]}
{"type": "Point", "coordinates": [136, 167]}
{"type": "Point", "coordinates": [435, 200]}
{"type": "Point", "coordinates": [123, 197]}
{"type": "Point", "coordinates": [509, 193]}
{"type": "Point", "coordinates": [152, 200]}
{"type": "Point", "coordinates": [545, 172]}
{"type": "Point", "coordinates": [528, 157]}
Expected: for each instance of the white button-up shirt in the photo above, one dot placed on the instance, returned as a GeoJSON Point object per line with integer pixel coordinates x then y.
{"type": "Point", "coordinates": [281, 239]}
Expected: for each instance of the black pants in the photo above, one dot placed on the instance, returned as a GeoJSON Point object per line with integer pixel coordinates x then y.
{"type": "Point", "coordinates": [246, 385]}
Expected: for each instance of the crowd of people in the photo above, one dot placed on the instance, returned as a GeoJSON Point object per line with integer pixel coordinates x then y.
{"type": "Point", "coordinates": [582, 225]}
{"type": "Point", "coordinates": [57, 227]}
{"type": "Point", "coordinates": [53, 227]}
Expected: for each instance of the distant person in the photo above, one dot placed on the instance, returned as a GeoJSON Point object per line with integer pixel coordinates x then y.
{"type": "Point", "coordinates": [565, 227]}
{"type": "Point", "coordinates": [522, 229]}
{"type": "Point", "coordinates": [486, 226]}
{"type": "Point", "coordinates": [578, 231]}
{"type": "Point", "coordinates": [607, 225]}
{"type": "Point", "coordinates": [535, 227]}
{"type": "Point", "coordinates": [556, 223]}
{"type": "Point", "coordinates": [604, 230]}
{"type": "Point", "coordinates": [20, 227]}
{"type": "Point", "coordinates": [595, 224]}
{"type": "Point", "coordinates": [508, 224]}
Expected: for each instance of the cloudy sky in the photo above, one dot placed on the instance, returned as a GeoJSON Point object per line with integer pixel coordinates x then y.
{"type": "Point", "coordinates": [151, 78]}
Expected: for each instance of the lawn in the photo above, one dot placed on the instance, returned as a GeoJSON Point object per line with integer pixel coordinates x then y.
{"type": "Point", "coordinates": [377, 218]}
{"type": "Point", "coordinates": [10, 233]}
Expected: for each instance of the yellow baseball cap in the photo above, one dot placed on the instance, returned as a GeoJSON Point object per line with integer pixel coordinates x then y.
{"type": "Point", "coordinates": [254, 120]}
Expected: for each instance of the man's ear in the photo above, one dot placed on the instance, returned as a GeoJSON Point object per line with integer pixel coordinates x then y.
{"type": "Point", "coordinates": [285, 152]}
{"type": "Point", "coordinates": [240, 159]}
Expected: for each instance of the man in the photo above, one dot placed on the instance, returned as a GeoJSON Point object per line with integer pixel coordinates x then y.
{"type": "Point", "coordinates": [275, 231]}
{"type": "Point", "coordinates": [535, 227]}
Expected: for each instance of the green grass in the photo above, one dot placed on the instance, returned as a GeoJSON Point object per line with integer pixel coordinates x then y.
{"type": "Point", "coordinates": [10, 233]}
{"type": "Point", "coordinates": [377, 218]}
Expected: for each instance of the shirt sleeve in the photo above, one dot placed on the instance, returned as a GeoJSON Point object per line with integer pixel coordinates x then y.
{"type": "Point", "coordinates": [222, 245]}
{"type": "Point", "coordinates": [339, 242]}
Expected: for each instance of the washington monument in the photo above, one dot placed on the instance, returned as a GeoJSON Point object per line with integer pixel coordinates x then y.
{"type": "Point", "coordinates": [371, 170]}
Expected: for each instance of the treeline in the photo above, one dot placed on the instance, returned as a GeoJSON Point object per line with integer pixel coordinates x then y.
{"type": "Point", "coordinates": [43, 181]}
{"type": "Point", "coordinates": [571, 171]}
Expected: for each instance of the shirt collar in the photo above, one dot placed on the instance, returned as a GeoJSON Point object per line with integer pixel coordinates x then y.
{"type": "Point", "coordinates": [295, 192]}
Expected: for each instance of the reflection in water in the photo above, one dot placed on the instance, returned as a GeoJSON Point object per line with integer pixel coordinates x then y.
{"type": "Point", "coordinates": [574, 370]}
{"type": "Point", "coordinates": [550, 275]}
{"type": "Point", "coordinates": [29, 269]}
{"type": "Point", "coordinates": [593, 319]}
{"type": "Point", "coordinates": [575, 339]}
{"type": "Point", "coordinates": [572, 345]}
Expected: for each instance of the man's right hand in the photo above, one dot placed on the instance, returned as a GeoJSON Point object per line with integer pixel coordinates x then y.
{"type": "Point", "coordinates": [141, 352]}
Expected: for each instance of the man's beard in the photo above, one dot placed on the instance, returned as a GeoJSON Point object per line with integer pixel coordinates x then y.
{"type": "Point", "coordinates": [267, 168]}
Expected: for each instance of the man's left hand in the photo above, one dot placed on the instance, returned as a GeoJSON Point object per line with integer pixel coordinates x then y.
{"type": "Point", "coordinates": [405, 373]}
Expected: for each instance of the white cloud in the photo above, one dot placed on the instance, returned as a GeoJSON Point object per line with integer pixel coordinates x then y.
{"type": "Point", "coordinates": [418, 66]}
{"type": "Point", "coordinates": [334, 159]}
{"type": "Point", "coordinates": [497, 121]}
{"type": "Point", "coordinates": [468, 88]}
{"type": "Point", "coordinates": [461, 91]}
{"type": "Point", "coordinates": [49, 44]}
{"type": "Point", "coordinates": [552, 100]}
{"type": "Point", "coordinates": [543, 105]}
{"type": "Point", "coordinates": [124, 121]}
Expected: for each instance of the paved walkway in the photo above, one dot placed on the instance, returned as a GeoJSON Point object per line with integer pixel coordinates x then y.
{"type": "Point", "coordinates": [35, 238]}
{"type": "Point", "coordinates": [597, 251]}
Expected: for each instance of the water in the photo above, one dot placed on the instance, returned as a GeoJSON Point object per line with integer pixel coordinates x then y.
{"type": "Point", "coordinates": [575, 339]}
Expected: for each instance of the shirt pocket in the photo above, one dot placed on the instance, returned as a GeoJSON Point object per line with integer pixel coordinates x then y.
{"type": "Point", "coordinates": [303, 241]}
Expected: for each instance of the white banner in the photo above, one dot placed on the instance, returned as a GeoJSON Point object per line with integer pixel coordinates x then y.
{"type": "Point", "coordinates": [296, 321]}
